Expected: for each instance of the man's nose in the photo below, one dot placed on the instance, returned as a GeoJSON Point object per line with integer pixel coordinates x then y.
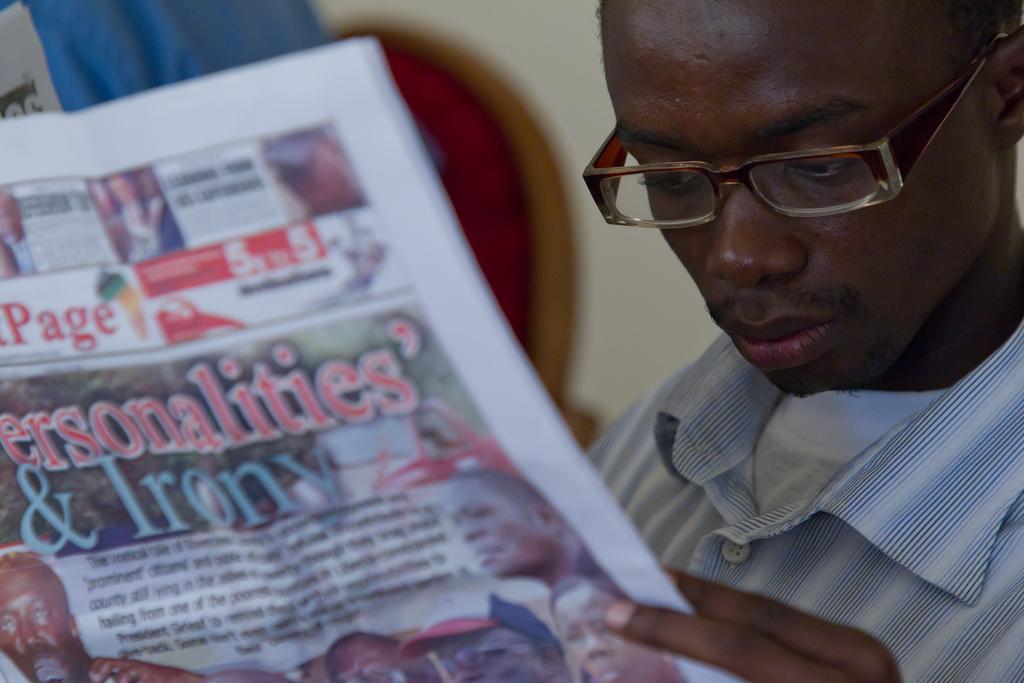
{"type": "Point", "coordinates": [27, 636]}
{"type": "Point", "coordinates": [751, 244]}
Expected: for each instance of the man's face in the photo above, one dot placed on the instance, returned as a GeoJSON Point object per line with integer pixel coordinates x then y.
{"type": "Point", "coordinates": [328, 184]}
{"type": "Point", "coordinates": [123, 190]}
{"type": "Point", "coordinates": [368, 660]}
{"type": "Point", "coordinates": [579, 615]}
{"type": "Point", "coordinates": [500, 655]}
{"type": "Point", "coordinates": [37, 633]}
{"type": "Point", "coordinates": [362, 656]}
{"type": "Point", "coordinates": [508, 538]}
{"type": "Point", "coordinates": [822, 303]}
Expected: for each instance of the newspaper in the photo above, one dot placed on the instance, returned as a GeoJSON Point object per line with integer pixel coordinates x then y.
{"type": "Point", "coordinates": [260, 419]}
{"type": "Point", "coordinates": [25, 84]}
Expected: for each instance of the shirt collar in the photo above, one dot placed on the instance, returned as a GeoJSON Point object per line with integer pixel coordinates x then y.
{"type": "Point", "coordinates": [932, 494]}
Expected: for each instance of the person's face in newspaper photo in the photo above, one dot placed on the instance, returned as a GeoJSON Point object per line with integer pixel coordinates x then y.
{"type": "Point", "coordinates": [11, 227]}
{"type": "Point", "coordinates": [579, 607]}
{"type": "Point", "coordinates": [501, 655]}
{"type": "Point", "coordinates": [510, 528]}
{"type": "Point", "coordinates": [137, 216]}
{"type": "Point", "coordinates": [39, 635]}
{"type": "Point", "coordinates": [312, 168]}
{"type": "Point", "coordinates": [124, 190]}
{"type": "Point", "coordinates": [37, 632]}
{"type": "Point", "coordinates": [371, 658]}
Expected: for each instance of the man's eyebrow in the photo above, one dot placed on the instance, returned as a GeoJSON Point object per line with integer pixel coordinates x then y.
{"type": "Point", "coordinates": [628, 133]}
{"type": "Point", "coordinates": [834, 110]}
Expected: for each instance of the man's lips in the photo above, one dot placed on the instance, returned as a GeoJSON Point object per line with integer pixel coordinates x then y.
{"type": "Point", "coordinates": [50, 668]}
{"type": "Point", "coordinates": [783, 343]}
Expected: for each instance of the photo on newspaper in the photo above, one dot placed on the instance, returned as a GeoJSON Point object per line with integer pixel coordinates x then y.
{"type": "Point", "coordinates": [260, 420]}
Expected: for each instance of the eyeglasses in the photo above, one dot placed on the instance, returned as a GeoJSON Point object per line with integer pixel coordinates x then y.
{"type": "Point", "coordinates": [810, 183]}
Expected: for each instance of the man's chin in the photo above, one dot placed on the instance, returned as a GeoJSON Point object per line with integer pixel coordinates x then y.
{"type": "Point", "coordinates": [50, 668]}
{"type": "Point", "coordinates": [54, 666]}
{"type": "Point", "coordinates": [798, 385]}
{"type": "Point", "coordinates": [831, 373]}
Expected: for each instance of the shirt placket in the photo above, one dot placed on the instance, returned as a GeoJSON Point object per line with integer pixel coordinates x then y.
{"type": "Point", "coordinates": [726, 553]}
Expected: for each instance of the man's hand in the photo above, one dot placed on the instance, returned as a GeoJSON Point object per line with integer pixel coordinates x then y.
{"type": "Point", "coordinates": [130, 671]}
{"type": "Point", "coordinates": [756, 638]}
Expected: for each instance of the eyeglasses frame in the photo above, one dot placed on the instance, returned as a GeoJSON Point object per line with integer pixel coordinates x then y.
{"type": "Point", "coordinates": [891, 159]}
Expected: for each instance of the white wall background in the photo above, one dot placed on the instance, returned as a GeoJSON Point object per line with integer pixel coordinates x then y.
{"type": "Point", "coordinates": [639, 316]}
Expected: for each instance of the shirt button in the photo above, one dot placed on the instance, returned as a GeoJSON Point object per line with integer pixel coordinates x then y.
{"type": "Point", "coordinates": [734, 553]}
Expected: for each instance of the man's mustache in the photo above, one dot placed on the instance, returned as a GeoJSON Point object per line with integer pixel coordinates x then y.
{"type": "Point", "coordinates": [841, 300]}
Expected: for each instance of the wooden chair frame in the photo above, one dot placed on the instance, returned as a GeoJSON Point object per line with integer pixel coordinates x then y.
{"type": "Point", "coordinates": [552, 303]}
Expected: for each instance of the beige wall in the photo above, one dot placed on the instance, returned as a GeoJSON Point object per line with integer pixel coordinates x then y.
{"type": "Point", "coordinates": [639, 318]}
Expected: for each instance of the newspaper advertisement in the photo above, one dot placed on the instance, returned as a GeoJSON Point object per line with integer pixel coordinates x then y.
{"type": "Point", "coordinates": [261, 421]}
{"type": "Point", "coordinates": [25, 84]}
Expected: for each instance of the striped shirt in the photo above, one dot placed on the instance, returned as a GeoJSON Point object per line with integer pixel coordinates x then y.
{"type": "Point", "coordinates": [919, 540]}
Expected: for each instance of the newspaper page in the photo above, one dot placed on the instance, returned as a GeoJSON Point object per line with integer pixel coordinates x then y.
{"type": "Point", "coordinates": [260, 419]}
{"type": "Point", "coordinates": [25, 84]}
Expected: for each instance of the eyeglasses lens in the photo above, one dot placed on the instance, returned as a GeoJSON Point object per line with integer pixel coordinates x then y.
{"type": "Point", "coordinates": [662, 195]}
{"type": "Point", "coordinates": [816, 183]}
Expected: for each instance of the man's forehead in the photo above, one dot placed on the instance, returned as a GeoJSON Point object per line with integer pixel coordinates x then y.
{"type": "Point", "coordinates": [28, 600]}
{"type": "Point", "coordinates": [752, 29]}
{"type": "Point", "coordinates": [771, 65]}
{"type": "Point", "coordinates": [30, 582]}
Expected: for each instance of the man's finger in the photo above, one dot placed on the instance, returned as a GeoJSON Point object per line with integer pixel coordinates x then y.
{"type": "Point", "coordinates": [100, 669]}
{"type": "Point", "coordinates": [730, 646]}
{"type": "Point", "coordinates": [804, 633]}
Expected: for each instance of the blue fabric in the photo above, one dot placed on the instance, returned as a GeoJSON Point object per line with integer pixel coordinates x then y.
{"type": "Point", "coordinates": [99, 50]}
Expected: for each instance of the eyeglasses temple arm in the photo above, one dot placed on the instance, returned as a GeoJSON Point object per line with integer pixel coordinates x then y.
{"type": "Point", "coordinates": [612, 153]}
{"type": "Point", "coordinates": [912, 138]}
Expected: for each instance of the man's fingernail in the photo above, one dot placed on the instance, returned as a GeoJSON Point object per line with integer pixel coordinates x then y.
{"type": "Point", "coordinates": [619, 614]}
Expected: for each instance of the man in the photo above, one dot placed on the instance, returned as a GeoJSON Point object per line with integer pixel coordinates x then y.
{"type": "Point", "coordinates": [14, 249]}
{"type": "Point", "coordinates": [512, 530]}
{"type": "Point", "coordinates": [368, 658]}
{"type": "Point", "coordinates": [480, 637]}
{"type": "Point", "coordinates": [893, 511]}
{"type": "Point", "coordinates": [39, 635]}
{"type": "Point", "coordinates": [148, 224]}
{"type": "Point", "coordinates": [578, 606]}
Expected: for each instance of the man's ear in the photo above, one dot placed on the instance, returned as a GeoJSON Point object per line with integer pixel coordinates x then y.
{"type": "Point", "coordinates": [1006, 72]}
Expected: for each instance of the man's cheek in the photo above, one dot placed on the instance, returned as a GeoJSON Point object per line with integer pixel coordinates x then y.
{"type": "Point", "coordinates": [55, 637]}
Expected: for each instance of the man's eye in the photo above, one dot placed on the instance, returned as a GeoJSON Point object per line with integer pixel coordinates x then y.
{"type": "Point", "coordinates": [822, 170]}
{"type": "Point", "coordinates": [8, 625]}
{"type": "Point", "coordinates": [672, 182]}
{"type": "Point", "coordinates": [40, 614]}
